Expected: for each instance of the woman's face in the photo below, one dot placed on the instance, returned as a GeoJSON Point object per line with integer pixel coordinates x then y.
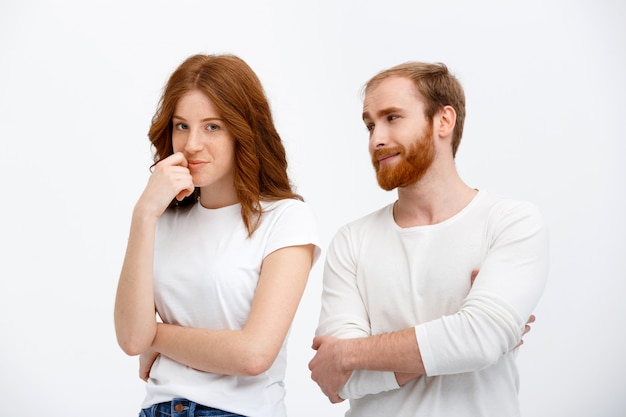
{"type": "Point", "coordinates": [201, 135]}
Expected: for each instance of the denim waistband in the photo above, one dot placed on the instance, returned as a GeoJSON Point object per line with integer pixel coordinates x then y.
{"type": "Point", "coordinates": [180, 407]}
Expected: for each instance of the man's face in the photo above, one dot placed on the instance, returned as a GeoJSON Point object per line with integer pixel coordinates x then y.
{"type": "Point", "coordinates": [401, 138]}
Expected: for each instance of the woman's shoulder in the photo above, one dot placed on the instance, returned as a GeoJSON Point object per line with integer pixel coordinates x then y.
{"type": "Point", "coordinates": [291, 204]}
{"type": "Point", "coordinates": [292, 212]}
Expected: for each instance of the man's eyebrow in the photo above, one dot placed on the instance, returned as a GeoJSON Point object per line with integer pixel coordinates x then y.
{"type": "Point", "coordinates": [383, 112]}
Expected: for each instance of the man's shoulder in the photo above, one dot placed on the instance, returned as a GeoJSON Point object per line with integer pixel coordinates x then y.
{"type": "Point", "coordinates": [364, 225]}
{"type": "Point", "coordinates": [375, 217]}
{"type": "Point", "coordinates": [496, 201]}
{"type": "Point", "coordinates": [505, 210]}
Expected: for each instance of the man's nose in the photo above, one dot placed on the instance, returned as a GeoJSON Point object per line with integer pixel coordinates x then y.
{"type": "Point", "coordinates": [378, 138]}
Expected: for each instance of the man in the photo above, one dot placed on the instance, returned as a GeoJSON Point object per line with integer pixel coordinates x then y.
{"type": "Point", "coordinates": [403, 331]}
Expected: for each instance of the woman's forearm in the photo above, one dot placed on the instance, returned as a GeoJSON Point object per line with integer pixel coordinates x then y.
{"type": "Point", "coordinates": [227, 352]}
{"type": "Point", "coordinates": [135, 317]}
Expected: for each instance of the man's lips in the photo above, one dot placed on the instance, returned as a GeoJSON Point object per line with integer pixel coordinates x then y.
{"type": "Point", "coordinates": [381, 158]}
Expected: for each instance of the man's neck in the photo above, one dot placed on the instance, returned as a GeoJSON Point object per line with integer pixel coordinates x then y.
{"type": "Point", "coordinates": [432, 200]}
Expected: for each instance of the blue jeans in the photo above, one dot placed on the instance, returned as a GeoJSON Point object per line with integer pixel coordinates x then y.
{"type": "Point", "coordinates": [180, 407]}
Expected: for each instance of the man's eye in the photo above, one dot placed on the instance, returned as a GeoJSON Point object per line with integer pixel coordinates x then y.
{"type": "Point", "coordinates": [392, 117]}
{"type": "Point", "coordinates": [369, 127]}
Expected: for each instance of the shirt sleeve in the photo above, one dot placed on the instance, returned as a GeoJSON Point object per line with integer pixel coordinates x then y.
{"type": "Point", "coordinates": [507, 289]}
{"type": "Point", "coordinates": [294, 224]}
{"type": "Point", "coordinates": [343, 314]}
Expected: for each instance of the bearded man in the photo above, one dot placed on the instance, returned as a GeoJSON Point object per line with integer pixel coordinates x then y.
{"type": "Point", "coordinates": [407, 328]}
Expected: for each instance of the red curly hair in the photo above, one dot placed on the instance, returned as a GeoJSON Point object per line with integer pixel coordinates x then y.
{"type": "Point", "coordinates": [260, 157]}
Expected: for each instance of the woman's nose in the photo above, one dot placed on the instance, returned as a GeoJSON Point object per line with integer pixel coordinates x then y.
{"type": "Point", "coordinates": [193, 143]}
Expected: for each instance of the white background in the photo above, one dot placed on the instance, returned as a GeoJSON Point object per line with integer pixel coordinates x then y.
{"type": "Point", "coordinates": [79, 82]}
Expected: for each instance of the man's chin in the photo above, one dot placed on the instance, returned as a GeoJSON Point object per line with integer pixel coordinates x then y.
{"type": "Point", "coordinates": [387, 185]}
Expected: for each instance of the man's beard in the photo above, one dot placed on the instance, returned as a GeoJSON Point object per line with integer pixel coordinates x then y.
{"type": "Point", "coordinates": [412, 167]}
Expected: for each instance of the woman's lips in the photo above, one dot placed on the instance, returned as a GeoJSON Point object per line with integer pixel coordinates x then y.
{"type": "Point", "coordinates": [192, 165]}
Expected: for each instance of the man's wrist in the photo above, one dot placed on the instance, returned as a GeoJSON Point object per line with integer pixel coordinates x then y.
{"type": "Point", "coordinates": [351, 354]}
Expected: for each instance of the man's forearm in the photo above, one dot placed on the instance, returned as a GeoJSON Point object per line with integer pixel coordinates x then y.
{"type": "Point", "coordinates": [402, 378]}
{"type": "Point", "coordinates": [395, 352]}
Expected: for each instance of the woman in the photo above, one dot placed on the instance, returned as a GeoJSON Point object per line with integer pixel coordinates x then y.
{"type": "Point", "coordinates": [219, 245]}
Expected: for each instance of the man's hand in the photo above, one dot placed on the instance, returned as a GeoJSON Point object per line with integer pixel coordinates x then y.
{"type": "Point", "coordinates": [531, 319]}
{"type": "Point", "coordinates": [146, 360]}
{"type": "Point", "coordinates": [473, 276]}
{"type": "Point", "coordinates": [326, 366]}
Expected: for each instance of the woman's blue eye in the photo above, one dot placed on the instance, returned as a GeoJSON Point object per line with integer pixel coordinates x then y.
{"type": "Point", "coordinates": [212, 128]}
{"type": "Point", "coordinates": [181, 126]}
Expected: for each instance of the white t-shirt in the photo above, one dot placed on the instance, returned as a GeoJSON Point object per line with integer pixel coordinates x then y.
{"type": "Point", "coordinates": [205, 274]}
{"type": "Point", "coordinates": [381, 278]}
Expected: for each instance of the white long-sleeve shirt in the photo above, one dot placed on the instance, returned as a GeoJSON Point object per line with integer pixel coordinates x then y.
{"type": "Point", "coordinates": [381, 278]}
